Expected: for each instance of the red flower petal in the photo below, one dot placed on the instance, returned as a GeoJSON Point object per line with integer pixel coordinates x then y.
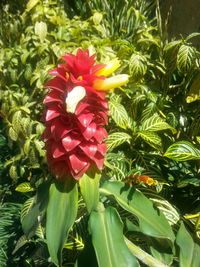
{"type": "Point", "coordinates": [77, 163]}
{"type": "Point", "coordinates": [99, 160]}
{"type": "Point", "coordinates": [80, 174]}
{"type": "Point", "coordinates": [70, 142]}
{"type": "Point", "coordinates": [52, 112]}
{"type": "Point", "coordinates": [59, 129]}
{"type": "Point", "coordinates": [89, 149]}
{"type": "Point", "coordinates": [56, 83]}
{"type": "Point", "coordinates": [85, 119]}
{"type": "Point", "coordinates": [102, 148]}
{"type": "Point", "coordinates": [80, 107]}
{"type": "Point", "coordinates": [89, 131]}
{"type": "Point", "coordinates": [53, 96]}
{"type": "Point", "coordinates": [57, 150]}
{"type": "Point", "coordinates": [100, 134]}
{"type": "Point", "coordinates": [59, 72]}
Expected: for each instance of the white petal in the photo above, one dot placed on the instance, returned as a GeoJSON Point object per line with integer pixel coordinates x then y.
{"type": "Point", "coordinates": [74, 97]}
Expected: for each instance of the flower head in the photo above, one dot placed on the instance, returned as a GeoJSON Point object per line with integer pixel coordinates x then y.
{"type": "Point", "coordinates": [76, 113]}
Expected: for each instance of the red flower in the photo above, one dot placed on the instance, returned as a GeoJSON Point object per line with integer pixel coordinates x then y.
{"type": "Point", "coordinates": [75, 117]}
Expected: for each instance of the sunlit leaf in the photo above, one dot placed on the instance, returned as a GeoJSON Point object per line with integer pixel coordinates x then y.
{"type": "Point", "coordinates": [89, 186]}
{"type": "Point", "coordinates": [106, 229]}
{"type": "Point", "coordinates": [152, 138]}
{"type": "Point", "coordinates": [118, 113]}
{"type": "Point", "coordinates": [156, 123]}
{"type": "Point", "coordinates": [116, 139]}
{"type": "Point", "coordinates": [185, 58]}
{"type": "Point", "coordinates": [182, 151]}
{"type": "Point", "coordinates": [151, 222]}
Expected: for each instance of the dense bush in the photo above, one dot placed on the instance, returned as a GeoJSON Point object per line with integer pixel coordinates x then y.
{"type": "Point", "coordinates": [153, 144]}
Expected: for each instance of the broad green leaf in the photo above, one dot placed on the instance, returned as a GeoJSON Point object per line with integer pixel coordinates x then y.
{"type": "Point", "coordinates": [89, 186]}
{"type": "Point", "coordinates": [151, 221]}
{"type": "Point", "coordinates": [185, 58]}
{"type": "Point", "coordinates": [116, 139]}
{"type": "Point", "coordinates": [106, 229]}
{"type": "Point", "coordinates": [182, 151]}
{"type": "Point", "coordinates": [152, 138]}
{"type": "Point", "coordinates": [189, 250]}
{"type": "Point", "coordinates": [118, 113]}
{"type": "Point", "coordinates": [61, 214]}
{"type": "Point", "coordinates": [171, 214]}
{"type": "Point", "coordinates": [147, 259]}
{"type": "Point", "coordinates": [24, 187]}
{"type": "Point", "coordinates": [155, 123]}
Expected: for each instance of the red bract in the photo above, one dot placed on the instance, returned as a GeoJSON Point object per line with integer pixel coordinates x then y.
{"type": "Point", "coordinates": [75, 117]}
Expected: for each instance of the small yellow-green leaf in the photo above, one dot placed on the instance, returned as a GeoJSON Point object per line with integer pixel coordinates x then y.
{"type": "Point", "coordinates": [24, 187]}
{"type": "Point", "coordinates": [97, 17]}
{"type": "Point", "coordinates": [13, 172]}
{"type": "Point", "coordinates": [13, 134]}
{"type": "Point", "coordinates": [41, 30]}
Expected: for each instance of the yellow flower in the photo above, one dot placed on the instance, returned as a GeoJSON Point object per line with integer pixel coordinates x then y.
{"type": "Point", "coordinates": [110, 83]}
{"type": "Point", "coordinates": [109, 68]}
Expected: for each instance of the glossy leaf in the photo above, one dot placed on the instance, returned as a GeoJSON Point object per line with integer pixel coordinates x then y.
{"type": "Point", "coordinates": [152, 138]}
{"type": "Point", "coordinates": [189, 250]}
{"type": "Point", "coordinates": [137, 65]}
{"type": "Point", "coordinates": [118, 113]}
{"type": "Point", "coordinates": [89, 186]}
{"type": "Point", "coordinates": [143, 256]}
{"type": "Point", "coordinates": [156, 123]}
{"type": "Point", "coordinates": [61, 214]}
{"type": "Point", "coordinates": [182, 151]}
{"type": "Point", "coordinates": [116, 139]}
{"type": "Point", "coordinates": [185, 58]}
{"type": "Point", "coordinates": [151, 221]}
{"type": "Point", "coordinates": [107, 237]}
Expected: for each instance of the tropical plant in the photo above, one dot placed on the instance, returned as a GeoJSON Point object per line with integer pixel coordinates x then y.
{"type": "Point", "coordinates": [143, 208]}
